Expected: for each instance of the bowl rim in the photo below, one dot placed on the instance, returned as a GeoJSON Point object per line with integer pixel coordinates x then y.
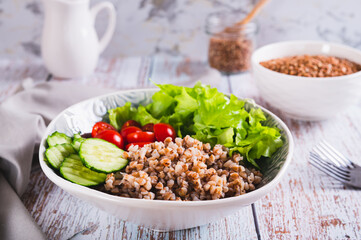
{"type": "Point", "coordinates": [305, 42]}
{"type": "Point", "coordinates": [65, 184]}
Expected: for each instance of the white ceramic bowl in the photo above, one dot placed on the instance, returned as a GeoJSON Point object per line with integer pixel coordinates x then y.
{"type": "Point", "coordinates": [307, 98]}
{"type": "Point", "coordinates": [158, 214]}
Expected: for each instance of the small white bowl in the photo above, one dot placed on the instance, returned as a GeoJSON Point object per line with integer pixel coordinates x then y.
{"type": "Point", "coordinates": [307, 98]}
{"type": "Point", "coordinates": [158, 214]}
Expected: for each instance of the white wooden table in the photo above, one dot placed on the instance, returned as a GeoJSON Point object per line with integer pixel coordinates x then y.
{"type": "Point", "coordinates": [305, 205]}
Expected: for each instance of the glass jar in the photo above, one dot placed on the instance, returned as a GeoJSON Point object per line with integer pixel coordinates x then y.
{"type": "Point", "coordinates": [230, 45]}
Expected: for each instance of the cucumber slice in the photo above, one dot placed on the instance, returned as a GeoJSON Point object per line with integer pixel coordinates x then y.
{"type": "Point", "coordinates": [102, 156]}
{"type": "Point", "coordinates": [57, 138]}
{"type": "Point", "coordinates": [77, 135]}
{"type": "Point", "coordinates": [56, 154]}
{"type": "Point", "coordinates": [77, 140]}
{"type": "Point", "coordinates": [73, 170]}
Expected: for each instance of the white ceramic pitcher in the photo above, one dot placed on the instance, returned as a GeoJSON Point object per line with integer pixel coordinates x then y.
{"type": "Point", "coordinates": [70, 45]}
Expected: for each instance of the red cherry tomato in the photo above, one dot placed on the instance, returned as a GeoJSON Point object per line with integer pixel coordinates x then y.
{"type": "Point", "coordinates": [163, 130]}
{"type": "Point", "coordinates": [125, 131]}
{"type": "Point", "coordinates": [140, 144]}
{"type": "Point", "coordinates": [148, 127]}
{"type": "Point", "coordinates": [112, 137]}
{"type": "Point", "coordinates": [140, 137]}
{"type": "Point", "coordinates": [100, 127]}
{"type": "Point", "coordinates": [130, 123]}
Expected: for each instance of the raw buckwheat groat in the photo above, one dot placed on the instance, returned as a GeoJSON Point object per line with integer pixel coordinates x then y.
{"type": "Point", "coordinates": [185, 169]}
{"type": "Point", "coordinates": [312, 66]}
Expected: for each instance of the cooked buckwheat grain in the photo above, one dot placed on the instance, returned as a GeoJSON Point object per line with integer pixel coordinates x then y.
{"type": "Point", "coordinates": [183, 170]}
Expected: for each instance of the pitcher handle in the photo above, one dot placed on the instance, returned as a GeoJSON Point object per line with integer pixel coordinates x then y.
{"type": "Point", "coordinates": [104, 41]}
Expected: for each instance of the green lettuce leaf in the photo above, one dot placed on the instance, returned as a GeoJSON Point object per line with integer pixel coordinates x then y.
{"type": "Point", "coordinates": [118, 116]}
{"type": "Point", "coordinates": [144, 117]}
{"type": "Point", "coordinates": [162, 105]}
{"type": "Point", "coordinates": [186, 104]}
{"type": "Point", "coordinates": [209, 116]}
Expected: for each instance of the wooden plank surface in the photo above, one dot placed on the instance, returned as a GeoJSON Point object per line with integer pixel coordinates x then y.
{"type": "Point", "coordinates": [308, 204]}
{"type": "Point", "coordinates": [13, 72]}
{"type": "Point", "coordinates": [305, 205]}
{"type": "Point", "coordinates": [62, 216]}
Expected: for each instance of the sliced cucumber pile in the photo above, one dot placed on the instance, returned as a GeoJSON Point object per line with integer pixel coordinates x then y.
{"type": "Point", "coordinates": [84, 161]}
{"type": "Point", "coordinates": [58, 138]}
{"type": "Point", "coordinates": [73, 170]}
{"type": "Point", "coordinates": [102, 156]}
{"type": "Point", "coordinates": [56, 154]}
{"type": "Point", "coordinates": [77, 140]}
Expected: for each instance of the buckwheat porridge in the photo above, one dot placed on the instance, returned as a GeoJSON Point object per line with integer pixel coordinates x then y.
{"type": "Point", "coordinates": [183, 170]}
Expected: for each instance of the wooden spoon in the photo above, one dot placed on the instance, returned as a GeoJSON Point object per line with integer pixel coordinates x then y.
{"type": "Point", "coordinates": [256, 9]}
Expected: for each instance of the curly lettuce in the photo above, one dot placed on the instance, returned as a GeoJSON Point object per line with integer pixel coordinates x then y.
{"type": "Point", "coordinates": [209, 116]}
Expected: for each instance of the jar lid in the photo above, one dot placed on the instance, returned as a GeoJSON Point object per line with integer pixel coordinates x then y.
{"type": "Point", "coordinates": [225, 22]}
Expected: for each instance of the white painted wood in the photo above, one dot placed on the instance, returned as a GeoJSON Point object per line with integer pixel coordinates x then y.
{"type": "Point", "coordinates": [117, 73]}
{"type": "Point", "coordinates": [13, 72]}
{"type": "Point", "coordinates": [305, 205]}
{"type": "Point", "coordinates": [178, 27]}
{"type": "Point", "coordinates": [62, 216]}
{"type": "Point", "coordinates": [308, 204]}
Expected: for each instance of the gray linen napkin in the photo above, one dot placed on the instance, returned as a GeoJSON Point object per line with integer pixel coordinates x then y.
{"type": "Point", "coordinates": [23, 120]}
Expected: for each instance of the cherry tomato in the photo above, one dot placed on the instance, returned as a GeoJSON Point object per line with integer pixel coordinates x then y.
{"type": "Point", "coordinates": [112, 137]}
{"type": "Point", "coordinates": [148, 127]}
{"type": "Point", "coordinates": [140, 144]}
{"type": "Point", "coordinates": [100, 127]}
{"type": "Point", "coordinates": [125, 131]}
{"type": "Point", "coordinates": [140, 137]}
{"type": "Point", "coordinates": [163, 130]}
{"type": "Point", "coordinates": [130, 123]}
